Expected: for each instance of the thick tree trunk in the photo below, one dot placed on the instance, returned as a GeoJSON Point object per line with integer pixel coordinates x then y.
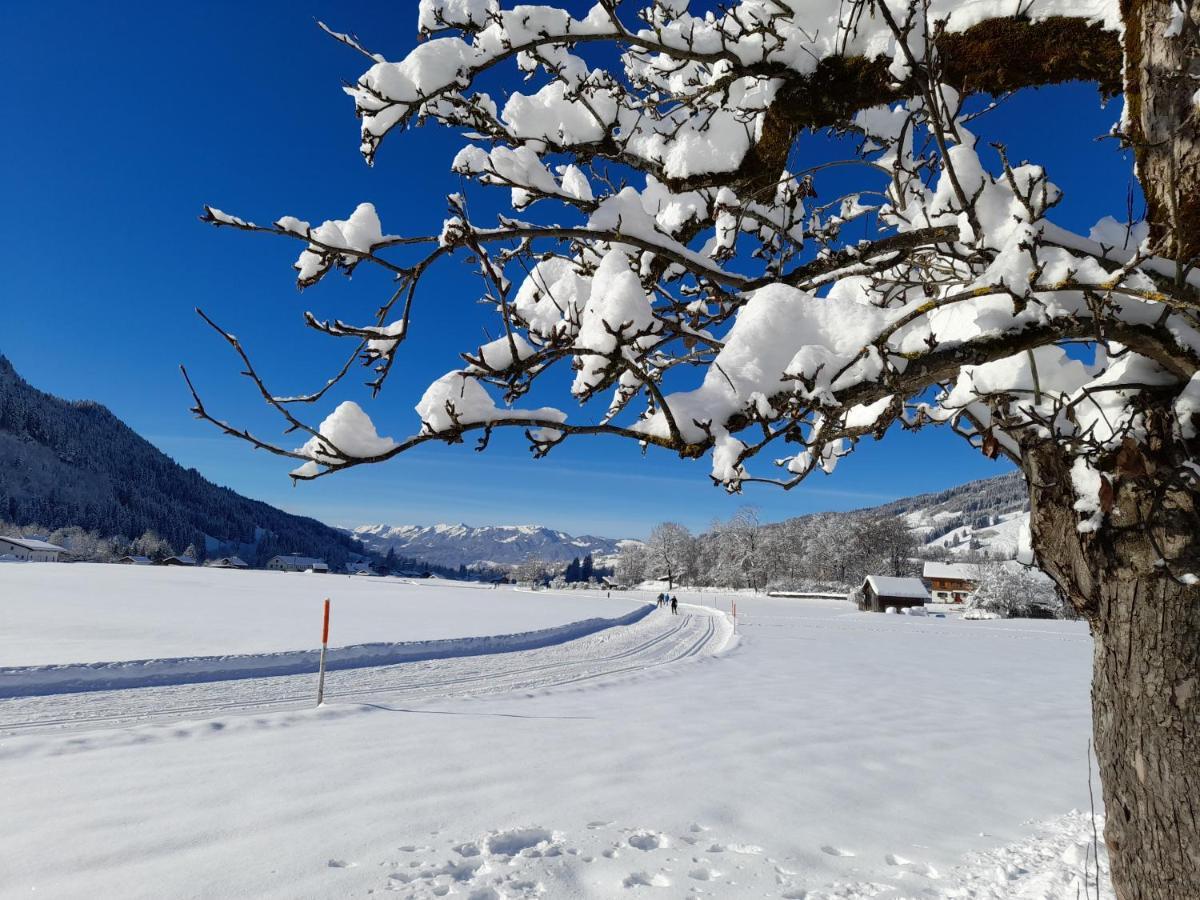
{"type": "Point", "coordinates": [1145, 696]}
{"type": "Point", "coordinates": [1146, 626]}
{"type": "Point", "coordinates": [1162, 64]}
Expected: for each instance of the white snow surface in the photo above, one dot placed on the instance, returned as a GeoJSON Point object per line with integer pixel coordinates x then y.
{"type": "Point", "coordinates": [823, 753]}
{"type": "Point", "coordinates": [88, 613]}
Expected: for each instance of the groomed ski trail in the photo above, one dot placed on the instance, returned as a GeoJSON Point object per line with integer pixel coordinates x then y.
{"type": "Point", "coordinates": [656, 640]}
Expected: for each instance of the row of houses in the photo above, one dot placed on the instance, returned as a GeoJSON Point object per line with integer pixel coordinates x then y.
{"type": "Point", "coordinates": [939, 583]}
{"type": "Point", "coordinates": [225, 562]}
{"type": "Point", "coordinates": [33, 550]}
{"type": "Point", "coordinates": [288, 563]}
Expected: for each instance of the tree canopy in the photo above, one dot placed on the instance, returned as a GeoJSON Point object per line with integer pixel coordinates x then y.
{"type": "Point", "coordinates": [703, 297]}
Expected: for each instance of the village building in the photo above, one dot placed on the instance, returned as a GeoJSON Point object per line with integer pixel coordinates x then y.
{"type": "Point", "coordinates": [135, 561]}
{"type": "Point", "coordinates": [414, 573]}
{"type": "Point", "coordinates": [879, 592]}
{"type": "Point", "coordinates": [179, 561]}
{"type": "Point", "coordinates": [30, 549]}
{"type": "Point", "coordinates": [227, 562]}
{"type": "Point", "coordinates": [951, 582]}
{"type": "Point", "coordinates": [293, 563]}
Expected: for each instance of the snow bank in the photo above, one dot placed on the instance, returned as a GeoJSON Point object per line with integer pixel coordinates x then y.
{"type": "Point", "coordinates": [91, 613]}
{"type": "Point", "coordinates": [18, 681]}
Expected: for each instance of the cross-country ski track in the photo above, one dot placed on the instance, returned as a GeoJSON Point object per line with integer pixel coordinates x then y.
{"type": "Point", "coordinates": [653, 640]}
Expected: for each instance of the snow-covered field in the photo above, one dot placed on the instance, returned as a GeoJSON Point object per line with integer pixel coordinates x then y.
{"type": "Point", "coordinates": [93, 613]}
{"type": "Point", "coordinates": [822, 752]}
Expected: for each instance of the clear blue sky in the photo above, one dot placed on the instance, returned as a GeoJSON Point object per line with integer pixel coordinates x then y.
{"type": "Point", "coordinates": [121, 120]}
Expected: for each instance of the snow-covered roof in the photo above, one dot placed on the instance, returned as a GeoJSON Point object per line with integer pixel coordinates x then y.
{"type": "Point", "coordinates": [32, 543]}
{"type": "Point", "coordinates": [890, 586]}
{"type": "Point", "coordinates": [961, 571]}
{"type": "Point", "coordinates": [306, 562]}
{"type": "Point", "coordinates": [228, 562]}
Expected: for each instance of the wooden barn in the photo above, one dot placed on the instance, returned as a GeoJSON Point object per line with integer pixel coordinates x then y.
{"type": "Point", "coordinates": [882, 591]}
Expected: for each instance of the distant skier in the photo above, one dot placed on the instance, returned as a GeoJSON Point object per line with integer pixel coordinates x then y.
{"type": "Point", "coordinates": [661, 600]}
{"type": "Point", "coordinates": [674, 606]}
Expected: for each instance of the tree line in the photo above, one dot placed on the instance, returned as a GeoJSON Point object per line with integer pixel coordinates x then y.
{"type": "Point", "coordinates": [821, 552]}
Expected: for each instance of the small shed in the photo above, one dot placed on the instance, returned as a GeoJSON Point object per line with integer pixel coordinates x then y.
{"type": "Point", "coordinates": [136, 561]}
{"type": "Point", "coordinates": [179, 561]}
{"type": "Point", "coordinates": [881, 591]}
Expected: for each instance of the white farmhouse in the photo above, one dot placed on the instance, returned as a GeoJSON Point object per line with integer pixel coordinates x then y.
{"type": "Point", "coordinates": [951, 582]}
{"type": "Point", "coordinates": [297, 564]}
{"type": "Point", "coordinates": [30, 550]}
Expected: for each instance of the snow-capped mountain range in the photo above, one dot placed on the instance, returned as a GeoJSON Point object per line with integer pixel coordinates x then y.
{"type": "Point", "coordinates": [981, 516]}
{"type": "Point", "coordinates": [501, 545]}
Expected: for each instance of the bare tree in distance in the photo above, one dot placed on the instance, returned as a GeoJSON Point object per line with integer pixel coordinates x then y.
{"type": "Point", "coordinates": [669, 550]}
{"type": "Point", "coordinates": [668, 230]}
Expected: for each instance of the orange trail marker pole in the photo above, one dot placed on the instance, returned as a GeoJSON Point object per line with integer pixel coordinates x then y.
{"type": "Point", "coordinates": [324, 649]}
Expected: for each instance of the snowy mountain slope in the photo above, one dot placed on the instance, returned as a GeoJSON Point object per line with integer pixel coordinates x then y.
{"type": "Point", "coordinates": [984, 516]}
{"type": "Point", "coordinates": [460, 544]}
{"type": "Point", "coordinates": [67, 463]}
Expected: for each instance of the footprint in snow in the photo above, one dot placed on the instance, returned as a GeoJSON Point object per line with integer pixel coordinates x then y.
{"type": "Point", "coordinates": [704, 873]}
{"type": "Point", "coordinates": [339, 864]}
{"type": "Point", "coordinates": [836, 851]}
{"type": "Point", "coordinates": [648, 840]}
{"type": "Point", "coordinates": [517, 840]}
{"type": "Point", "coordinates": [468, 849]}
{"type": "Point", "coordinates": [646, 879]}
{"type": "Point", "coordinates": [744, 849]}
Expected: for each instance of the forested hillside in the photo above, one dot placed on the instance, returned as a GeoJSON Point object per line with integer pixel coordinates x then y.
{"type": "Point", "coordinates": [68, 463]}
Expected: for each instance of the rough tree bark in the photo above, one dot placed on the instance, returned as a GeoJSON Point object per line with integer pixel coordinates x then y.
{"type": "Point", "coordinates": [1162, 72]}
{"type": "Point", "coordinates": [1146, 627]}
